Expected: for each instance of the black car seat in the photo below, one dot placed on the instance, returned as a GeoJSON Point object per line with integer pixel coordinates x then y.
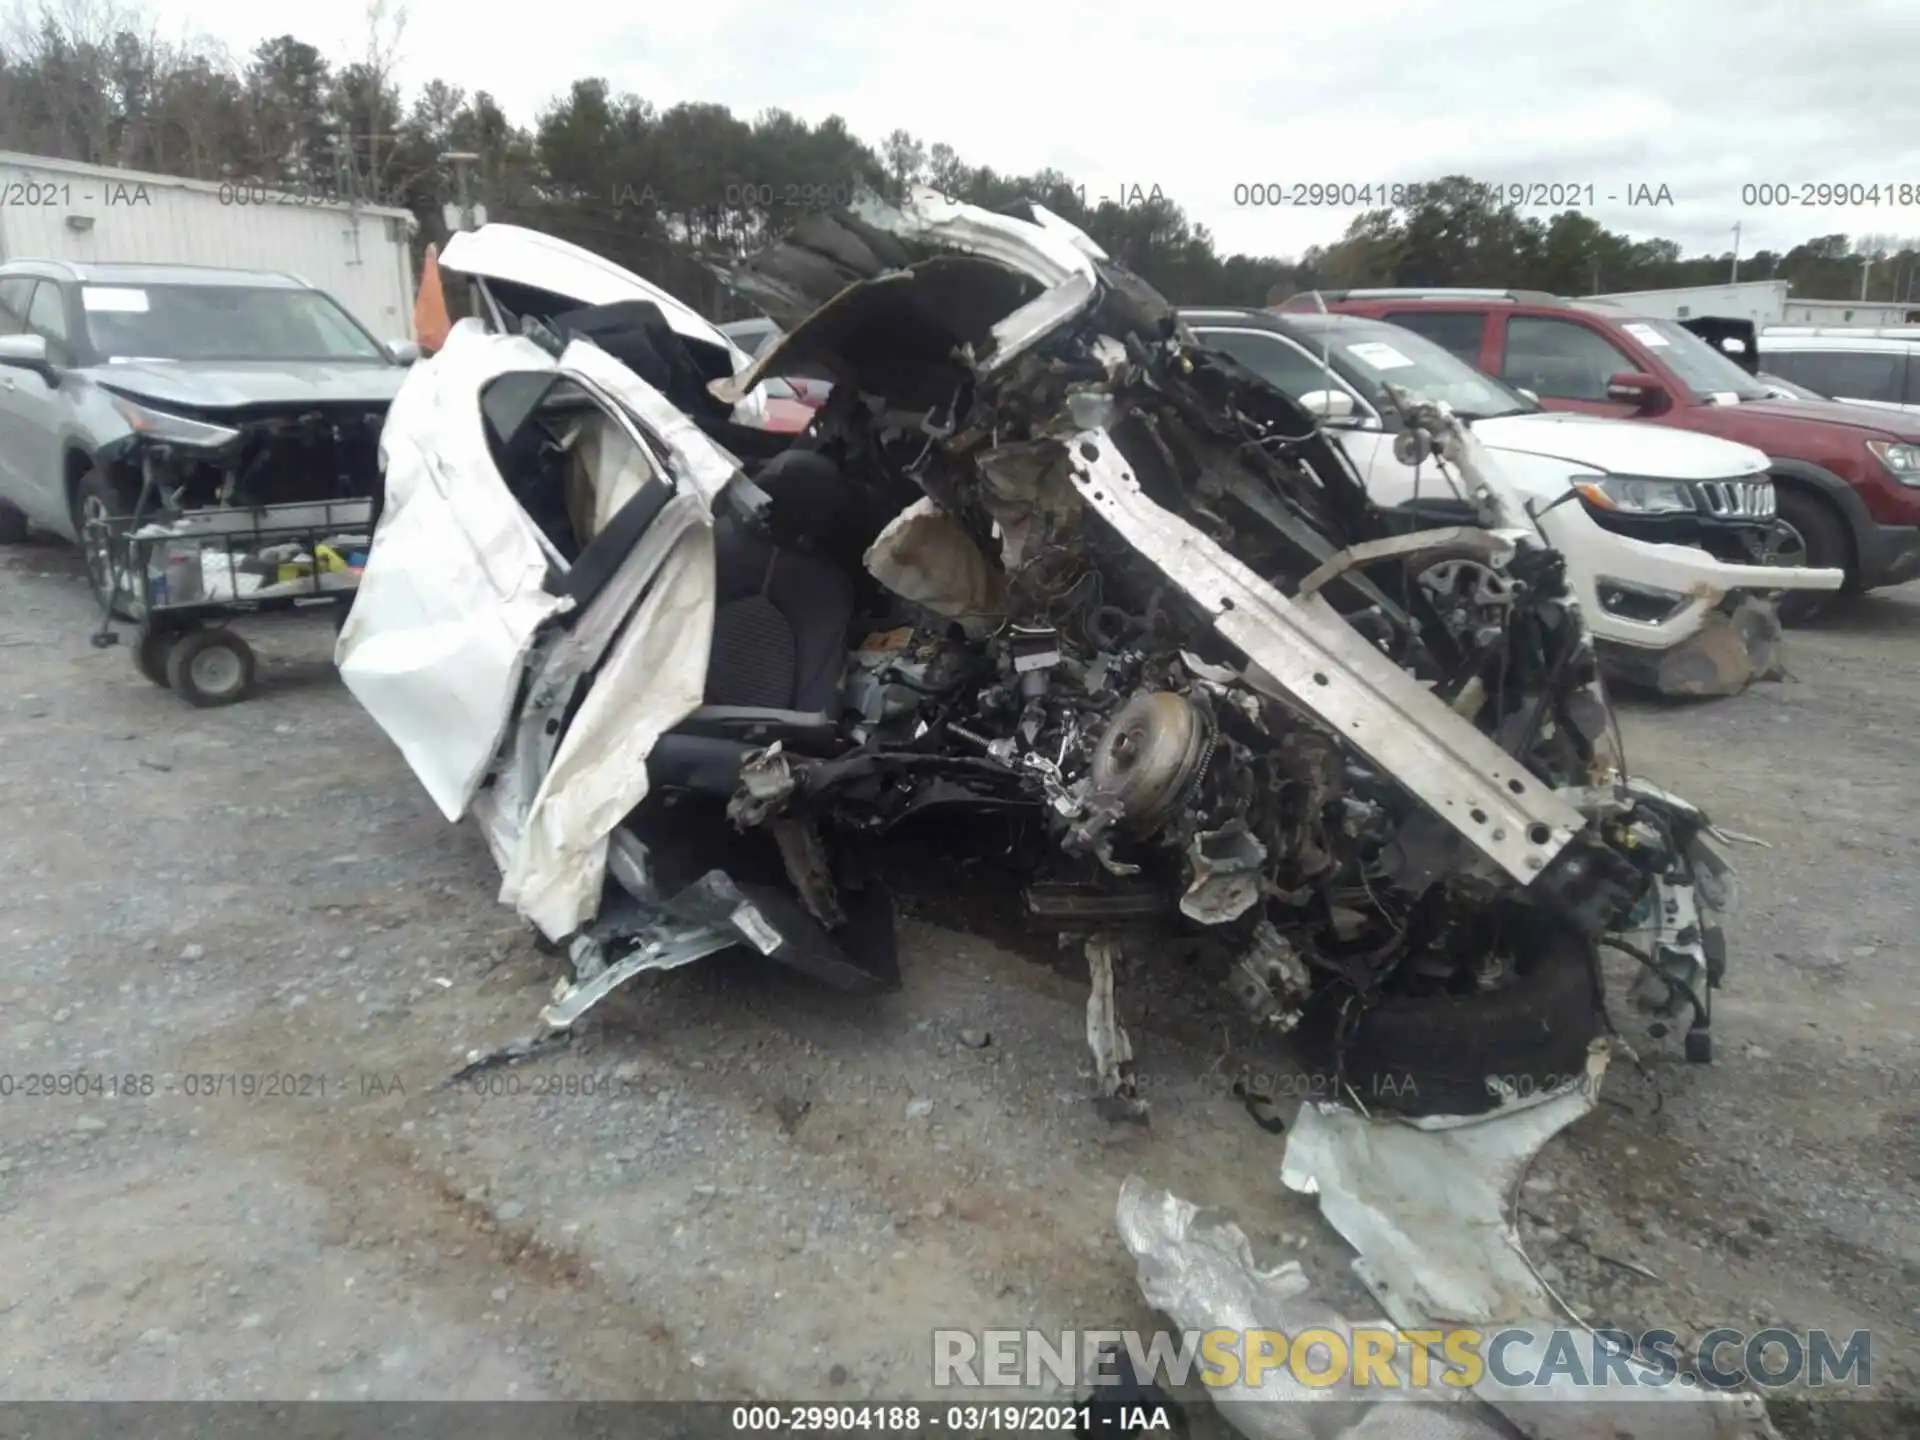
{"type": "Point", "coordinates": [779, 625]}
{"type": "Point", "coordinates": [781, 616]}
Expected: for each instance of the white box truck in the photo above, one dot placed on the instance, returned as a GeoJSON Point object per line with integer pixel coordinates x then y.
{"type": "Point", "coordinates": [62, 210]}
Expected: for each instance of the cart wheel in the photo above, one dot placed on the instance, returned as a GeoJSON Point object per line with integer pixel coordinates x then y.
{"type": "Point", "coordinates": [151, 651]}
{"type": "Point", "coordinates": [211, 667]}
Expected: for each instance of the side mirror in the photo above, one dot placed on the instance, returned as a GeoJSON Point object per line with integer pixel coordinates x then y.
{"type": "Point", "coordinates": [1637, 388]}
{"type": "Point", "coordinates": [1328, 404]}
{"type": "Point", "coordinates": [1528, 393]}
{"type": "Point", "coordinates": [29, 352]}
{"type": "Point", "coordinates": [404, 352]}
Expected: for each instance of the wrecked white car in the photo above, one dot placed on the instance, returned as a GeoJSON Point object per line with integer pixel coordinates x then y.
{"type": "Point", "coordinates": [1040, 558]}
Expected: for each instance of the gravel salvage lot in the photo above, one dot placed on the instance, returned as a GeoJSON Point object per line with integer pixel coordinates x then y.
{"type": "Point", "coordinates": [740, 1184]}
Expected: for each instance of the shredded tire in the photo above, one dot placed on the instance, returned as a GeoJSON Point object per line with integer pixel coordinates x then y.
{"type": "Point", "coordinates": [1437, 1055]}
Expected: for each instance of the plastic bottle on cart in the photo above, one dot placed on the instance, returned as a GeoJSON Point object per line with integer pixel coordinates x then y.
{"type": "Point", "coordinates": [184, 580]}
{"type": "Point", "coordinates": [156, 576]}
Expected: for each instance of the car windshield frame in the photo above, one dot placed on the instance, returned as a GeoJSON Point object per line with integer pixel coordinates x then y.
{"type": "Point", "coordinates": [1682, 354]}
{"type": "Point", "coordinates": [167, 338]}
{"type": "Point", "coordinates": [1429, 361]}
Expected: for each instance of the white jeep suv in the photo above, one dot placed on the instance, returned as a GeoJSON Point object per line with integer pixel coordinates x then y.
{"type": "Point", "coordinates": [1670, 536]}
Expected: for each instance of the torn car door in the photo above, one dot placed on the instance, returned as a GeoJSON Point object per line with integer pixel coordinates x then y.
{"type": "Point", "coordinates": [456, 589]}
{"type": "Point", "coordinates": [649, 672]}
{"type": "Point", "coordinates": [453, 589]}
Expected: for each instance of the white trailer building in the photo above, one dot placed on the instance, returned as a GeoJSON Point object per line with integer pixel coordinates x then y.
{"type": "Point", "coordinates": [61, 210]}
{"type": "Point", "coordinates": [1866, 314]}
{"type": "Point", "coordinates": [1764, 302]}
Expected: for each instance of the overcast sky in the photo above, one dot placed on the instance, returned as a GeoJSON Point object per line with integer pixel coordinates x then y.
{"type": "Point", "coordinates": [1701, 97]}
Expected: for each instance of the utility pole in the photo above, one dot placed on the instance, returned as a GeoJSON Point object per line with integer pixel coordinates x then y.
{"type": "Point", "coordinates": [346, 173]}
{"type": "Point", "coordinates": [361, 184]}
{"type": "Point", "coordinates": [1734, 277]}
{"type": "Point", "coordinates": [347, 177]}
{"type": "Point", "coordinates": [1866, 268]}
{"type": "Point", "coordinates": [462, 214]}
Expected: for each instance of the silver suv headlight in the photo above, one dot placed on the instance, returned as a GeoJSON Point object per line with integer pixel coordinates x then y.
{"type": "Point", "coordinates": [1635, 495]}
{"type": "Point", "coordinates": [151, 424]}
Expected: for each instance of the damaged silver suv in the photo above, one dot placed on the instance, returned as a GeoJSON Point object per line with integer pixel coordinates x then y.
{"type": "Point", "coordinates": [1043, 559]}
{"type": "Point", "coordinates": [184, 387]}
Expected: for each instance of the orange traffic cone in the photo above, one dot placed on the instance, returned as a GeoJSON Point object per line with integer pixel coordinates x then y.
{"type": "Point", "coordinates": [430, 321]}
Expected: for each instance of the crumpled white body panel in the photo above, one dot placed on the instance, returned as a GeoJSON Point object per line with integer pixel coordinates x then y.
{"type": "Point", "coordinates": [1426, 1203]}
{"type": "Point", "coordinates": [1428, 1206]}
{"type": "Point", "coordinates": [651, 680]}
{"type": "Point", "coordinates": [452, 590]}
{"type": "Point", "coordinates": [453, 597]}
{"type": "Point", "coordinates": [1052, 251]}
{"type": "Point", "coordinates": [1595, 555]}
{"type": "Point", "coordinates": [1200, 1271]}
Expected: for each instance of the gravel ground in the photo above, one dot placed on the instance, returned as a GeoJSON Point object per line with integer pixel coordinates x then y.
{"type": "Point", "coordinates": [738, 1184]}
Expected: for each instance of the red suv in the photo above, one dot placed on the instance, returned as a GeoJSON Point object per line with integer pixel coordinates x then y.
{"type": "Point", "coordinates": [1847, 476]}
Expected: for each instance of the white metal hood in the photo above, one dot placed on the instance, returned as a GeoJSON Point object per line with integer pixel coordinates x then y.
{"type": "Point", "coordinates": [521, 256]}
{"type": "Point", "coordinates": [545, 262]}
{"type": "Point", "coordinates": [1621, 447]}
{"type": "Point", "coordinates": [1049, 250]}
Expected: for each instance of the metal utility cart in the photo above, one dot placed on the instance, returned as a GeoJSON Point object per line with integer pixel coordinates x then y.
{"type": "Point", "coordinates": [181, 576]}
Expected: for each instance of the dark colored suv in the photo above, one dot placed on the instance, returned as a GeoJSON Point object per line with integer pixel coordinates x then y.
{"type": "Point", "coordinates": [1847, 476]}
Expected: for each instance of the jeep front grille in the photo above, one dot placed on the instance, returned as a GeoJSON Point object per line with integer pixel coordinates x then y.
{"type": "Point", "coordinates": [1736, 499]}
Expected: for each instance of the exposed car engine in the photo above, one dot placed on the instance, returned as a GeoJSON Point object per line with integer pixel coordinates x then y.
{"type": "Point", "coordinates": [257, 457]}
{"type": "Point", "coordinates": [1077, 677]}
